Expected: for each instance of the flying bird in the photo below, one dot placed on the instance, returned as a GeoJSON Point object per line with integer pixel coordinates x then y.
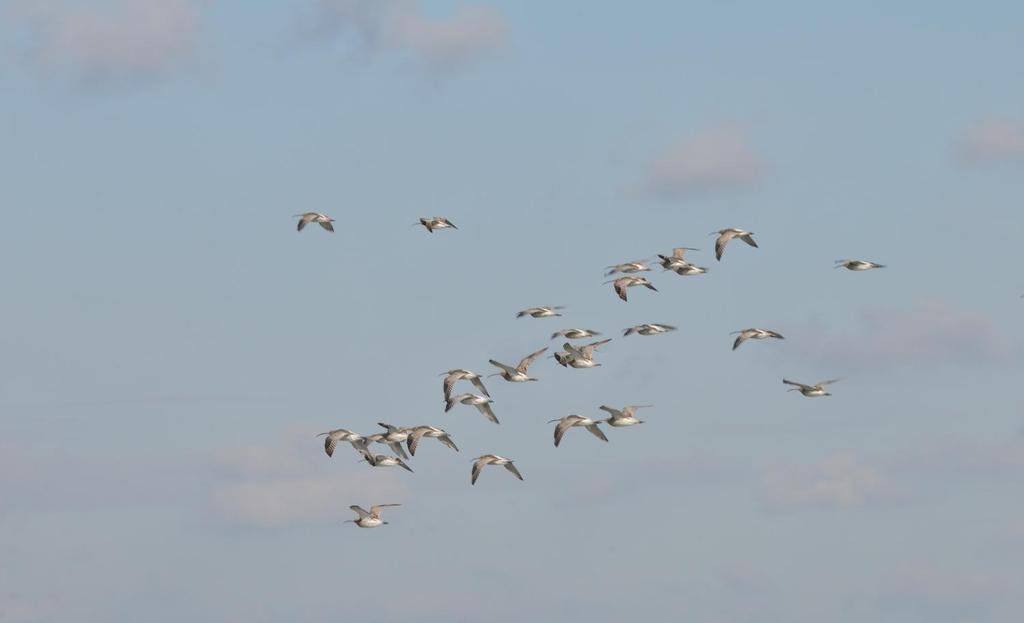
{"type": "Point", "coordinates": [857, 265]}
{"type": "Point", "coordinates": [753, 334]}
{"type": "Point", "coordinates": [811, 391]}
{"type": "Point", "coordinates": [574, 334]}
{"type": "Point", "coordinates": [493, 459]}
{"type": "Point", "coordinates": [622, 417]}
{"type": "Point", "coordinates": [571, 421]}
{"type": "Point", "coordinates": [517, 374]}
{"type": "Point", "coordinates": [725, 235]}
{"type": "Point", "coordinates": [315, 217]}
{"type": "Point", "coordinates": [686, 270]}
{"type": "Point", "coordinates": [628, 267]}
{"type": "Point", "coordinates": [540, 312]}
{"type": "Point", "coordinates": [432, 432]}
{"type": "Point", "coordinates": [371, 518]}
{"type": "Point", "coordinates": [383, 460]}
{"type": "Point", "coordinates": [648, 329]}
{"type": "Point", "coordinates": [381, 438]}
{"type": "Point", "coordinates": [458, 374]}
{"type": "Point", "coordinates": [436, 222]}
{"type": "Point", "coordinates": [482, 404]}
{"type": "Point", "coordinates": [584, 352]}
{"type": "Point", "coordinates": [622, 283]}
{"type": "Point", "coordinates": [340, 434]}
{"type": "Point", "coordinates": [677, 259]}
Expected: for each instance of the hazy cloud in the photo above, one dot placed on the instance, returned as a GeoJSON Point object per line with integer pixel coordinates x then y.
{"type": "Point", "coordinates": [993, 140]}
{"type": "Point", "coordinates": [104, 42]}
{"type": "Point", "coordinates": [711, 160]}
{"type": "Point", "coordinates": [928, 332]}
{"type": "Point", "coordinates": [294, 483]}
{"type": "Point", "coordinates": [468, 33]}
{"type": "Point", "coordinates": [838, 481]}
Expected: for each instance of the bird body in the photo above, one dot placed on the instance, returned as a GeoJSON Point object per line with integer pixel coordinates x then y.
{"type": "Point", "coordinates": [753, 334]}
{"type": "Point", "coordinates": [492, 459]}
{"type": "Point", "coordinates": [383, 460]}
{"type": "Point", "coordinates": [725, 235]}
{"type": "Point", "coordinates": [315, 217]}
{"type": "Point", "coordinates": [677, 259]}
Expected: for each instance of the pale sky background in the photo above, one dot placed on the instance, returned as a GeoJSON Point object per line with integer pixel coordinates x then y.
{"type": "Point", "coordinates": [170, 345]}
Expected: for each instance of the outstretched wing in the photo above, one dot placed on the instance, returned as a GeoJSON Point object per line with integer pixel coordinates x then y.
{"type": "Point", "coordinates": [720, 242]}
{"type": "Point", "coordinates": [525, 363]}
{"type": "Point", "coordinates": [613, 412]}
{"type": "Point", "coordinates": [508, 369]}
{"type": "Point", "coordinates": [828, 382]}
{"type": "Point", "coordinates": [597, 432]}
{"type": "Point", "coordinates": [512, 468]}
{"type": "Point", "coordinates": [485, 408]}
{"type": "Point", "coordinates": [363, 514]}
{"type": "Point", "coordinates": [788, 382]}
{"type": "Point", "coordinates": [327, 225]}
{"type": "Point", "coordinates": [479, 384]}
{"type": "Point", "coordinates": [375, 509]}
{"type": "Point", "coordinates": [749, 239]}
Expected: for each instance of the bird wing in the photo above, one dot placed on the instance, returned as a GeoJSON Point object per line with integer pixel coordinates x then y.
{"type": "Point", "coordinates": [402, 464]}
{"type": "Point", "coordinates": [775, 335]}
{"type": "Point", "coordinates": [512, 468]}
{"type": "Point", "coordinates": [446, 440]}
{"type": "Point", "coordinates": [525, 363]}
{"type": "Point", "coordinates": [327, 225]}
{"type": "Point", "coordinates": [485, 408]}
{"type": "Point", "coordinates": [828, 382]}
{"type": "Point", "coordinates": [575, 351]}
{"type": "Point", "coordinates": [479, 384]}
{"type": "Point", "coordinates": [742, 337]}
{"type": "Point", "coordinates": [801, 385]}
{"type": "Point", "coordinates": [597, 432]}
{"type": "Point", "coordinates": [449, 382]}
{"type": "Point", "coordinates": [477, 466]}
{"type": "Point", "coordinates": [413, 441]}
{"type": "Point", "coordinates": [620, 289]}
{"type": "Point", "coordinates": [375, 509]}
{"type": "Point", "coordinates": [613, 412]}
{"type": "Point", "coordinates": [508, 369]}
{"type": "Point", "coordinates": [363, 514]}
{"type": "Point", "coordinates": [749, 239]}
{"type": "Point", "coordinates": [329, 444]}
{"type": "Point", "coordinates": [302, 222]}
{"type": "Point", "coordinates": [720, 242]}
{"type": "Point", "coordinates": [588, 350]}
{"type": "Point", "coordinates": [396, 447]}
{"type": "Point", "coordinates": [563, 425]}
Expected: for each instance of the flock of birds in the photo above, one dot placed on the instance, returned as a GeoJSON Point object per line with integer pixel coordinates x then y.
{"type": "Point", "coordinates": [570, 355]}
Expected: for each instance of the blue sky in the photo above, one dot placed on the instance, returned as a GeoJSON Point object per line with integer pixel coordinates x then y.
{"type": "Point", "coordinates": [170, 345]}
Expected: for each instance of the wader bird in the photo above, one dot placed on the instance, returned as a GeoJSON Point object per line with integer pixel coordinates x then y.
{"type": "Point", "coordinates": [517, 374]}
{"type": "Point", "coordinates": [540, 312]}
{"type": "Point", "coordinates": [571, 421]}
{"type": "Point", "coordinates": [432, 432]}
{"type": "Point", "coordinates": [753, 334]}
{"type": "Point", "coordinates": [574, 334]}
{"type": "Point", "coordinates": [648, 329]}
{"type": "Point", "coordinates": [493, 459]}
{"type": "Point", "coordinates": [382, 460]}
{"type": "Point", "coordinates": [622, 283]}
{"type": "Point", "coordinates": [628, 267]}
{"type": "Point", "coordinates": [482, 404]}
{"type": "Point", "coordinates": [340, 434]}
{"type": "Point", "coordinates": [857, 265]}
{"type": "Point", "coordinates": [811, 391]}
{"type": "Point", "coordinates": [677, 259]}
{"type": "Point", "coordinates": [624, 417]}
{"type": "Point", "coordinates": [725, 235]}
{"type": "Point", "coordinates": [437, 222]}
{"type": "Point", "coordinates": [369, 519]}
{"type": "Point", "coordinates": [315, 217]}
{"type": "Point", "coordinates": [458, 374]}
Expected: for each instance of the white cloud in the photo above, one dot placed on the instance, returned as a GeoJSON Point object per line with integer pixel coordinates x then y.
{"type": "Point", "coordinates": [993, 140]}
{"type": "Point", "coordinates": [711, 160]}
{"type": "Point", "coordinates": [838, 481]}
{"type": "Point", "coordinates": [470, 32]}
{"type": "Point", "coordinates": [929, 332]}
{"type": "Point", "coordinates": [118, 41]}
